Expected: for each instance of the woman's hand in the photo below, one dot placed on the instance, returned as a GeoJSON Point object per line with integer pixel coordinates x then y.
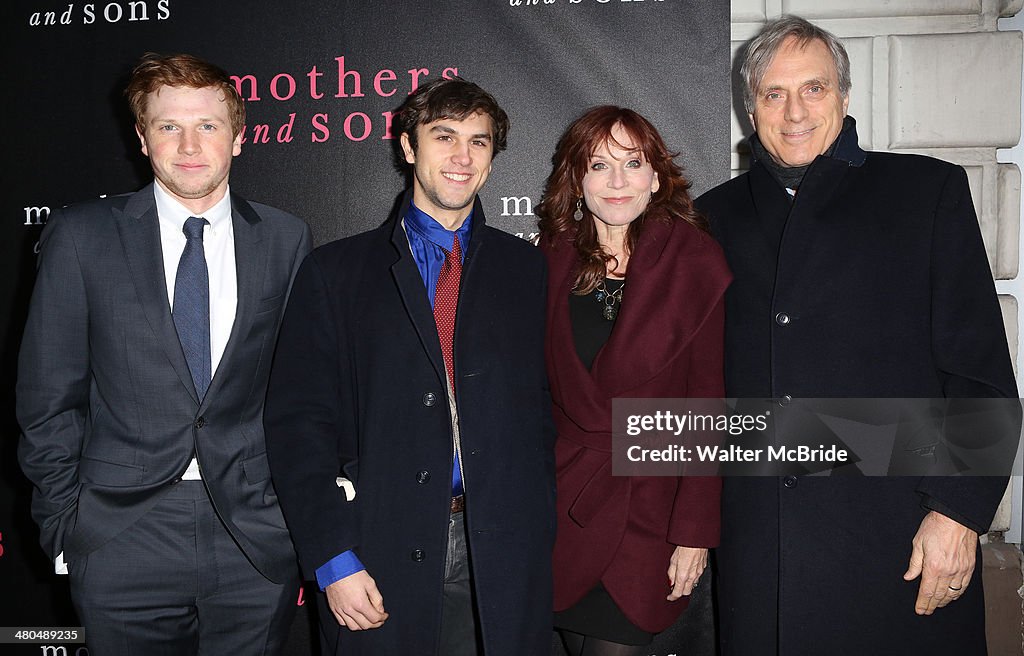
{"type": "Point", "coordinates": [684, 570]}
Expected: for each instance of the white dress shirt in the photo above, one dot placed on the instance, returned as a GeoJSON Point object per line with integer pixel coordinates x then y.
{"type": "Point", "coordinates": [219, 248]}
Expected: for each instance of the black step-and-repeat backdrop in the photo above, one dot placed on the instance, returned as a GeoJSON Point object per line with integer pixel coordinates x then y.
{"type": "Point", "coordinates": [321, 80]}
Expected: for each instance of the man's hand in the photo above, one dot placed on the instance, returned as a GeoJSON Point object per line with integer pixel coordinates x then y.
{"type": "Point", "coordinates": [943, 556]}
{"type": "Point", "coordinates": [355, 602]}
{"type": "Point", "coordinates": [684, 569]}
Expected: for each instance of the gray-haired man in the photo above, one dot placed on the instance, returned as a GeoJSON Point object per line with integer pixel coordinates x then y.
{"type": "Point", "coordinates": [857, 274]}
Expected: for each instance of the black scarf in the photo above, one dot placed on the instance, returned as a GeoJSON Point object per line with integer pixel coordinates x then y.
{"type": "Point", "coordinates": [790, 176]}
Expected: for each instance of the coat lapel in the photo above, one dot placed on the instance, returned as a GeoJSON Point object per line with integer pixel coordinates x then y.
{"type": "Point", "coordinates": [566, 370]}
{"type": "Point", "coordinates": [413, 293]}
{"type": "Point", "coordinates": [772, 205]}
{"type": "Point", "coordinates": [807, 217]}
{"type": "Point", "coordinates": [675, 279]}
{"type": "Point", "coordinates": [250, 267]}
{"type": "Point", "coordinates": [139, 229]}
{"type": "Point", "coordinates": [475, 283]}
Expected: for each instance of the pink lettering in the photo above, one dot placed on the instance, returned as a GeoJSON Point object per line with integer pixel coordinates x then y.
{"type": "Point", "coordinates": [366, 126]}
{"type": "Point", "coordinates": [415, 73]}
{"type": "Point", "coordinates": [388, 116]}
{"type": "Point", "coordinates": [342, 75]}
{"type": "Point", "coordinates": [313, 74]}
{"type": "Point", "coordinates": [274, 86]}
{"type": "Point", "coordinates": [251, 79]}
{"type": "Point", "coordinates": [261, 134]}
{"type": "Point", "coordinates": [284, 134]}
{"type": "Point", "coordinates": [320, 125]}
{"type": "Point", "coordinates": [381, 76]}
{"type": "Point", "coordinates": [348, 83]}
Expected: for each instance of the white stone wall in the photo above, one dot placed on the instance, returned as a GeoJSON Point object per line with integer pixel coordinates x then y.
{"type": "Point", "coordinates": [934, 77]}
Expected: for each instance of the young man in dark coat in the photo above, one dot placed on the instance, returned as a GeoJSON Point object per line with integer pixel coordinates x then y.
{"type": "Point", "coordinates": [410, 370]}
{"type": "Point", "coordinates": [857, 274]}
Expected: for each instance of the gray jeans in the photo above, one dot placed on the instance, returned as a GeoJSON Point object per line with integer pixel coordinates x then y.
{"type": "Point", "coordinates": [460, 631]}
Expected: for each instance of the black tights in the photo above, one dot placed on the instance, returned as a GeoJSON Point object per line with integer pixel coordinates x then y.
{"type": "Point", "coordinates": [578, 644]}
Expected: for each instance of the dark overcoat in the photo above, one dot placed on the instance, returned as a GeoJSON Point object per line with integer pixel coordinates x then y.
{"type": "Point", "coordinates": [358, 390]}
{"type": "Point", "coordinates": [873, 282]}
{"type": "Point", "coordinates": [667, 343]}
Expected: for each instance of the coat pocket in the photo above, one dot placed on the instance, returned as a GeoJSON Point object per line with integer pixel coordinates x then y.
{"type": "Point", "coordinates": [114, 474]}
{"type": "Point", "coordinates": [256, 468]}
{"type": "Point", "coordinates": [270, 304]}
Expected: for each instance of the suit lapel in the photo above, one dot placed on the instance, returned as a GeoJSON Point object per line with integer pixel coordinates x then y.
{"type": "Point", "coordinates": [139, 229]}
{"type": "Point", "coordinates": [250, 267]}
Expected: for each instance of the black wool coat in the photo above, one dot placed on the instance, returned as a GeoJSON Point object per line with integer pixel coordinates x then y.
{"type": "Point", "coordinates": [872, 282]}
{"type": "Point", "coordinates": [358, 390]}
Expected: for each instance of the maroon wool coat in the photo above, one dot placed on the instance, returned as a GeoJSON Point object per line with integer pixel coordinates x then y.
{"type": "Point", "coordinates": [667, 342]}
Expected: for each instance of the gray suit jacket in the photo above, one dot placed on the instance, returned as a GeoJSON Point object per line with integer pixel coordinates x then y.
{"type": "Point", "coordinates": [109, 414]}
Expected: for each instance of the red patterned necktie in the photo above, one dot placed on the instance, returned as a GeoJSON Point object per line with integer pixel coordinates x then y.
{"type": "Point", "coordinates": [446, 299]}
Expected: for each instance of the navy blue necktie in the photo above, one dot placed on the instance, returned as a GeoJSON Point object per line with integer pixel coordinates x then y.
{"type": "Point", "coordinates": [192, 305]}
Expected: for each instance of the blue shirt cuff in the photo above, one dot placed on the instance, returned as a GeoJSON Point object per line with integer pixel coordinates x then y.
{"type": "Point", "coordinates": [337, 568]}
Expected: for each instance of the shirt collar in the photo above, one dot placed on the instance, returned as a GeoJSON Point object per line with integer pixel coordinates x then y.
{"type": "Point", "coordinates": [426, 227]}
{"type": "Point", "coordinates": [174, 213]}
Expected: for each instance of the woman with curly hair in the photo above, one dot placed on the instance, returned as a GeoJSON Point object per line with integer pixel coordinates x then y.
{"type": "Point", "coordinates": [635, 310]}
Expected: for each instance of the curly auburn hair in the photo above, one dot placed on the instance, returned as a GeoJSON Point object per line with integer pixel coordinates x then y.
{"type": "Point", "coordinates": [564, 187]}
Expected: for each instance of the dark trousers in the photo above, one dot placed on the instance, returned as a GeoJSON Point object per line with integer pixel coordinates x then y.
{"type": "Point", "coordinates": [460, 630]}
{"type": "Point", "coordinates": [176, 583]}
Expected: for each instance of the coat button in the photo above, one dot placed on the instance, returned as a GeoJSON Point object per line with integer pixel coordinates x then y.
{"type": "Point", "coordinates": [417, 555]}
{"type": "Point", "coordinates": [422, 476]}
{"type": "Point", "coordinates": [785, 400]}
{"type": "Point", "coordinates": [782, 318]}
{"type": "Point", "coordinates": [429, 399]}
{"type": "Point", "coordinates": [789, 481]}
{"type": "Point", "coordinates": [200, 422]}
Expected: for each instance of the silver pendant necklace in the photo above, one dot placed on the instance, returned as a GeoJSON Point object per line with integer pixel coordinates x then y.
{"type": "Point", "coordinates": [612, 300]}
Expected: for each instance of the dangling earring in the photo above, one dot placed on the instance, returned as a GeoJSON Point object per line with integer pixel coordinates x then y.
{"type": "Point", "coordinates": [578, 214]}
